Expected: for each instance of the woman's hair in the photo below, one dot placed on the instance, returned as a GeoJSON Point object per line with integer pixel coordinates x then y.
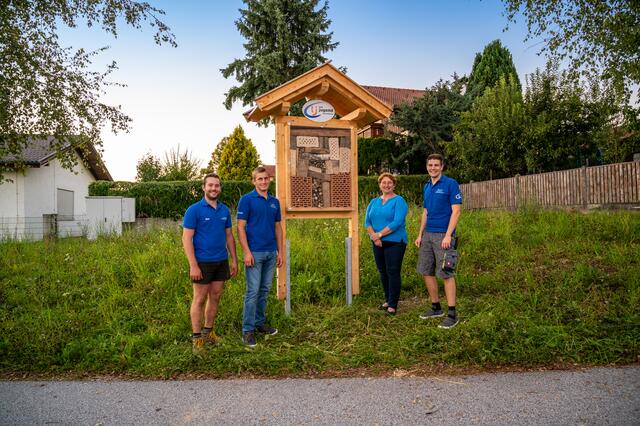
{"type": "Point", "coordinates": [387, 175]}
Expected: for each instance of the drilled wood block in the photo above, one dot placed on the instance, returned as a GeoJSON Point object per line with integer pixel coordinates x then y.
{"type": "Point", "coordinates": [341, 190]}
{"type": "Point", "coordinates": [345, 160]}
{"type": "Point", "coordinates": [293, 161]}
{"type": "Point", "coordinates": [301, 191]}
{"type": "Point", "coordinates": [334, 148]}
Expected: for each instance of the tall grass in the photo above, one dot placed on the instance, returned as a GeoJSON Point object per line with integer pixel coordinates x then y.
{"type": "Point", "coordinates": [535, 288]}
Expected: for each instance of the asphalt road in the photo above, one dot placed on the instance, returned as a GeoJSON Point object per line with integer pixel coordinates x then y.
{"type": "Point", "coordinates": [598, 396]}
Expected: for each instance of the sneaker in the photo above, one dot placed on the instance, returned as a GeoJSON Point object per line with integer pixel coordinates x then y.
{"type": "Point", "coordinates": [197, 343]}
{"type": "Point", "coordinates": [212, 338]}
{"type": "Point", "coordinates": [249, 339]}
{"type": "Point", "coordinates": [266, 329]}
{"type": "Point", "coordinates": [431, 313]}
{"type": "Point", "coordinates": [449, 322]}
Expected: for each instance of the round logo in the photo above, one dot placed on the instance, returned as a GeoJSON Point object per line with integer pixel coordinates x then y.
{"type": "Point", "coordinates": [317, 110]}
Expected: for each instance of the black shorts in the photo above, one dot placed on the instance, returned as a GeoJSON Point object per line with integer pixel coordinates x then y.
{"type": "Point", "coordinates": [213, 271]}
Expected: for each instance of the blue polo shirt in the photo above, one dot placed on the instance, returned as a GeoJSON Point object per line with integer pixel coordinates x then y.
{"type": "Point", "coordinates": [209, 224]}
{"type": "Point", "coordinates": [261, 215]}
{"type": "Point", "coordinates": [391, 214]}
{"type": "Point", "coordinates": [438, 200]}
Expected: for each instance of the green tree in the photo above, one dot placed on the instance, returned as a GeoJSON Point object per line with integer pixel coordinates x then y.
{"type": "Point", "coordinates": [48, 89]}
{"type": "Point", "coordinates": [595, 37]}
{"type": "Point", "coordinates": [487, 139]}
{"type": "Point", "coordinates": [376, 155]}
{"type": "Point", "coordinates": [239, 157]}
{"type": "Point", "coordinates": [429, 121]}
{"type": "Point", "coordinates": [214, 162]}
{"type": "Point", "coordinates": [494, 62]}
{"type": "Point", "coordinates": [567, 121]}
{"type": "Point", "coordinates": [148, 168]}
{"type": "Point", "coordinates": [285, 38]}
{"type": "Point", "coordinates": [179, 166]}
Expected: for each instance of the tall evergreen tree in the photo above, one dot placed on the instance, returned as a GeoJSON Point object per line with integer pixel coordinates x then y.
{"type": "Point", "coordinates": [239, 157]}
{"type": "Point", "coordinates": [214, 163]}
{"type": "Point", "coordinates": [488, 67]}
{"type": "Point", "coordinates": [285, 38]}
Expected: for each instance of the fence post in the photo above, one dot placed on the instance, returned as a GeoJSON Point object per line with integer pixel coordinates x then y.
{"type": "Point", "coordinates": [349, 289]}
{"type": "Point", "coordinates": [517, 191]}
{"type": "Point", "coordinates": [585, 188]}
{"type": "Point", "coordinates": [287, 300]}
{"type": "Point", "coordinates": [50, 225]}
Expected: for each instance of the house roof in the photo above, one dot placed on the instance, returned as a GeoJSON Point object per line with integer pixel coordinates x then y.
{"type": "Point", "coordinates": [271, 169]}
{"type": "Point", "coordinates": [40, 151]}
{"type": "Point", "coordinates": [394, 96]}
{"type": "Point", "coordinates": [325, 82]}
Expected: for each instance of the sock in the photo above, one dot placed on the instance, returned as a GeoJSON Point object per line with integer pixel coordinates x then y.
{"type": "Point", "coordinates": [196, 335]}
{"type": "Point", "coordinates": [452, 311]}
{"type": "Point", "coordinates": [207, 330]}
{"type": "Point", "coordinates": [436, 306]}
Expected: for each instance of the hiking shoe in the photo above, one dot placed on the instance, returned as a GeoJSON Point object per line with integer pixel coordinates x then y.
{"type": "Point", "coordinates": [449, 322]}
{"type": "Point", "coordinates": [197, 343]}
{"type": "Point", "coordinates": [266, 329]}
{"type": "Point", "coordinates": [249, 339]}
{"type": "Point", "coordinates": [431, 313]}
{"type": "Point", "coordinates": [212, 338]}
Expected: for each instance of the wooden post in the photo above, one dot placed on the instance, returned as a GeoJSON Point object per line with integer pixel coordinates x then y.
{"type": "Point", "coordinates": [585, 188]}
{"type": "Point", "coordinates": [282, 165]}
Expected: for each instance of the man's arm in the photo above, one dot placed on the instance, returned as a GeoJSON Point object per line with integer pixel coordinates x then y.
{"type": "Point", "coordinates": [231, 247]}
{"type": "Point", "coordinates": [242, 236]}
{"type": "Point", "coordinates": [453, 222]}
{"type": "Point", "coordinates": [280, 245]}
{"type": "Point", "coordinates": [187, 243]}
{"type": "Point", "coordinates": [423, 224]}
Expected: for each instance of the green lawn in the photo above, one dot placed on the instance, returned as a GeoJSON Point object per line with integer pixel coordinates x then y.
{"type": "Point", "coordinates": [535, 288]}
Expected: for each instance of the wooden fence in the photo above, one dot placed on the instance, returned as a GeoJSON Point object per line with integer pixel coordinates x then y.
{"type": "Point", "coordinates": [612, 184]}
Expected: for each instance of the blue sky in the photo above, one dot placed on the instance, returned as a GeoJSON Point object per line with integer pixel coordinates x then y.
{"type": "Point", "coordinates": [175, 95]}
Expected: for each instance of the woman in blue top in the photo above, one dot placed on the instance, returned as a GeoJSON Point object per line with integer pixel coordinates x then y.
{"type": "Point", "coordinates": [385, 223]}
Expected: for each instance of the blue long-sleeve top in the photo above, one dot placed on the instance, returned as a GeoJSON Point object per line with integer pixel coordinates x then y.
{"type": "Point", "coordinates": [391, 214]}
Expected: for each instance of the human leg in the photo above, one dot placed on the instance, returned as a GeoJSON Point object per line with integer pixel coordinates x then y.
{"type": "Point", "coordinates": [200, 292]}
{"type": "Point", "coordinates": [381, 264]}
{"type": "Point", "coordinates": [393, 264]}
{"type": "Point", "coordinates": [266, 279]}
{"type": "Point", "coordinates": [213, 298]}
{"type": "Point", "coordinates": [252, 275]}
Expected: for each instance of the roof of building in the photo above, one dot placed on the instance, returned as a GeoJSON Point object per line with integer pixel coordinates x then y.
{"type": "Point", "coordinates": [394, 96]}
{"type": "Point", "coordinates": [40, 151]}
{"type": "Point", "coordinates": [271, 169]}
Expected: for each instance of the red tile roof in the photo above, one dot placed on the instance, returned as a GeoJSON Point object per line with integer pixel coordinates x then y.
{"type": "Point", "coordinates": [271, 169]}
{"type": "Point", "coordinates": [393, 96]}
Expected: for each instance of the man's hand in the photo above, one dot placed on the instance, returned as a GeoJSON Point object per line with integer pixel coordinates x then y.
{"type": "Point", "coordinates": [418, 241]}
{"type": "Point", "coordinates": [248, 259]}
{"type": "Point", "coordinates": [233, 269]}
{"type": "Point", "coordinates": [195, 273]}
{"type": "Point", "coordinates": [377, 243]}
{"type": "Point", "coordinates": [279, 260]}
{"type": "Point", "coordinates": [446, 242]}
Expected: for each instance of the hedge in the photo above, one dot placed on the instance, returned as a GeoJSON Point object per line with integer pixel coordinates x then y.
{"type": "Point", "coordinates": [171, 199]}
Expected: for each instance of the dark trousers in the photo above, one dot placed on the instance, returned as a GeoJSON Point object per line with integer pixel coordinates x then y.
{"type": "Point", "coordinates": [389, 262]}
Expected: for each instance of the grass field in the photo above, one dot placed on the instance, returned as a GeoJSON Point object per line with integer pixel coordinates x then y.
{"type": "Point", "coordinates": [535, 288]}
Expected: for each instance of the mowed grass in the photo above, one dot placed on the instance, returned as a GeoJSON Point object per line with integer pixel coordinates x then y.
{"type": "Point", "coordinates": [535, 288]}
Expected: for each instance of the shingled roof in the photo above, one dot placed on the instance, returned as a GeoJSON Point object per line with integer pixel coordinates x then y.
{"type": "Point", "coordinates": [393, 96]}
{"type": "Point", "coordinates": [39, 152]}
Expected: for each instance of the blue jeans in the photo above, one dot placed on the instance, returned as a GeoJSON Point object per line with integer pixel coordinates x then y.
{"type": "Point", "coordinates": [389, 262]}
{"type": "Point", "coordinates": [259, 278]}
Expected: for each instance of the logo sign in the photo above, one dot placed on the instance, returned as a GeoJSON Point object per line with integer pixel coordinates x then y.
{"type": "Point", "coordinates": [319, 111]}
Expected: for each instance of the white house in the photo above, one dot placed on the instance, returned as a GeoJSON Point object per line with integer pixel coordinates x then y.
{"type": "Point", "coordinates": [45, 197]}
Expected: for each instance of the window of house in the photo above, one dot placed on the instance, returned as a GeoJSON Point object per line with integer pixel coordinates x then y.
{"type": "Point", "coordinates": [65, 204]}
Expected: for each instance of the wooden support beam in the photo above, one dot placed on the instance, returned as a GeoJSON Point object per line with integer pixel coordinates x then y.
{"type": "Point", "coordinates": [283, 109]}
{"type": "Point", "coordinates": [319, 90]}
{"type": "Point", "coordinates": [355, 115]}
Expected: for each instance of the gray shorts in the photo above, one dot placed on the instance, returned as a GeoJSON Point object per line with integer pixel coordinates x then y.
{"type": "Point", "coordinates": [431, 254]}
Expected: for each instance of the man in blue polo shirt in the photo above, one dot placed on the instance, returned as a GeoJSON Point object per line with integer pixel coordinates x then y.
{"type": "Point", "coordinates": [206, 237]}
{"type": "Point", "coordinates": [260, 236]}
{"type": "Point", "coordinates": [442, 201]}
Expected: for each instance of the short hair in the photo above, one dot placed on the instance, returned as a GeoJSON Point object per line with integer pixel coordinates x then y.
{"type": "Point", "coordinates": [387, 175]}
{"type": "Point", "coordinates": [210, 175]}
{"type": "Point", "coordinates": [436, 157]}
{"type": "Point", "coordinates": [259, 169]}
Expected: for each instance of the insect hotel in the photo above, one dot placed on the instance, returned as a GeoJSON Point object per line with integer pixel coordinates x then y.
{"type": "Point", "coordinates": [317, 154]}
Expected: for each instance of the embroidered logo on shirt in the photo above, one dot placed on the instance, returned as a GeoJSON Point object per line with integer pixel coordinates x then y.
{"type": "Point", "coordinates": [439, 191]}
{"type": "Point", "coordinates": [273, 206]}
{"type": "Point", "coordinates": [207, 218]}
{"type": "Point", "coordinates": [223, 218]}
{"type": "Point", "coordinates": [459, 197]}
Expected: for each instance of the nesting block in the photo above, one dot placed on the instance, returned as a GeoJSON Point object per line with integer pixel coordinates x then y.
{"type": "Point", "coordinates": [307, 141]}
{"type": "Point", "coordinates": [345, 160]}
{"type": "Point", "coordinates": [301, 191]}
{"type": "Point", "coordinates": [334, 148]}
{"type": "Point", "coordinates": [341, 190]}
{"type": "Point", "coordinates": [293, 160]}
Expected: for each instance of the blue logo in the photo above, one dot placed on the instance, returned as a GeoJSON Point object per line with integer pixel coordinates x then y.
{"type": "Point", "coordinates": [317, 110]}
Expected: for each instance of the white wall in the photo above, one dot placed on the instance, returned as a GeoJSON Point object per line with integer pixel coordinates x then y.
{"type": "Point", "coordinates": [35, 194]}
{"type": "Point", "coordinates": [12, 222]}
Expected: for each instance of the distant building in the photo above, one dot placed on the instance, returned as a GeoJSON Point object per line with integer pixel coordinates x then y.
{"type": "Point", "coordinates": [391, 96]}
{"type": "Point", "coordinates": [46, 196]}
